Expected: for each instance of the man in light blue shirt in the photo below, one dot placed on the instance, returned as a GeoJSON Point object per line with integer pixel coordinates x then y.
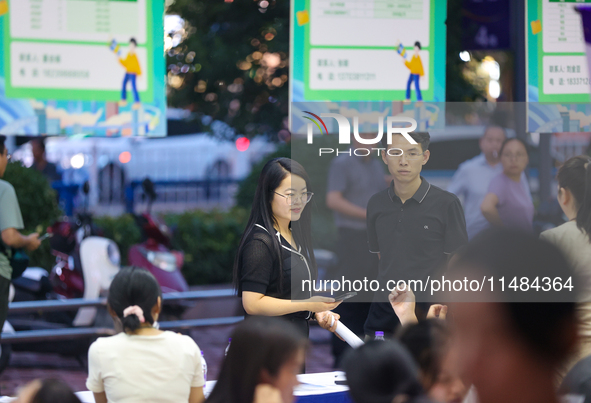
{"type": "Point", "coordinates": [471, 180]}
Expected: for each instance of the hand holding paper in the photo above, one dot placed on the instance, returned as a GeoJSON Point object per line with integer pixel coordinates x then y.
{"type": "Point", "coordinates": [347, 335]}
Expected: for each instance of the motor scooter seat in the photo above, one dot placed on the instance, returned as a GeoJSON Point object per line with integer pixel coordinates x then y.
{"type": "Point", "coordinates": [27, 284]}
{"type": "Point", "coordinates": [33, 280]}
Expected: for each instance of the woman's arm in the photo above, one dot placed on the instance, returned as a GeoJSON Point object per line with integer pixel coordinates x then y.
{"type": "Point", "coordinates": [255, 303]}
{"type": "Point", "coordinates": [489, 209]}
{"type": "Point", "coordinates": [196, 395]}
{"type": "Point", "coordinates": [101, 397]}
{"type": "Point", "coordinates": [335, 201]}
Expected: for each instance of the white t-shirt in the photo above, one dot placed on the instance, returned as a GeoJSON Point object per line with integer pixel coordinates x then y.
{"type": "Point", "coordinates": [151, 369]}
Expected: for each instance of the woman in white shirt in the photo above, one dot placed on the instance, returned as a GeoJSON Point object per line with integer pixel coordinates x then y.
{"type": "Point", "coordinates": [574, 239]}
{"type": "Point", "coordinates": [142, 364]}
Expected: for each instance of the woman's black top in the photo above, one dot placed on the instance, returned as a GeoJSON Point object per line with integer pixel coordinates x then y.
{"type": "Point", "coordinates": [259, 269]}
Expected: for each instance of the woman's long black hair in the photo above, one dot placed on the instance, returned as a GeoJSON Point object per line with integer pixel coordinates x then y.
{"type": "Point", "coordinates": [272, 174]}
{"type": "Point", "coordinates": [382, 372]}
{"type": "Point", "coordinates": [427, 342]}
{"type": "Point", "coordinates": [258, 343]}
{"type": "Point", "coordinates": [54, 390]}
{"type": "Point", "coordinates": [575, 175]}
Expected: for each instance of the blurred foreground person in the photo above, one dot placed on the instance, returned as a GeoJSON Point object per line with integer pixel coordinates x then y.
{"type": "Point", "coordinates": [510, 344]}
{"type": "Point", "coordinates": [262, 364]}
{"type": "Point", "coordinates": [429, 342]}
{"type": "Point", "coordinates": [142, 363]}
{"type": "Point", "coordinates": [383, 372]}
{"type": "Point", "coordinates": [574, 239]}
{"type": "Point", "coordinates": [46, 391]}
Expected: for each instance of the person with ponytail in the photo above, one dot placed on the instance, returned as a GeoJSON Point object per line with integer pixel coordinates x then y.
{"type": "Point", "coordinates": [142, 363]}
{"type": "Point", "coordinates": [275, 259]}
{"type": "Point", "coordinates": [574, 239]}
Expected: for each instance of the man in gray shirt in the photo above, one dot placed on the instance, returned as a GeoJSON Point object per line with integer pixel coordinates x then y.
{"type": "Point", "coordinates": [11, 221]}
{"type": "Point", "coordinates": [352, 180]}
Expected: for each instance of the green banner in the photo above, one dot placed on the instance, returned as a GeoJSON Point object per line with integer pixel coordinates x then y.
{"type": "Point", "coordinates": [556, 58]}
{"type": "Point", "coordinates": [570, 1]}
{"type": "Point", "coordinates": [394, 51]}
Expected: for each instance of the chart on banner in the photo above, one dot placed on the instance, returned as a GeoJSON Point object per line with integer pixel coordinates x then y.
{"type": "Point", "coordinates": [395, 52]}
{"type": "Point", "coordinates": [77, 20]}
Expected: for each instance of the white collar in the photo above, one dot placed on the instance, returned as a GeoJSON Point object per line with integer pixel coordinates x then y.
{"type": "Point", "coordinates": [278, 234]}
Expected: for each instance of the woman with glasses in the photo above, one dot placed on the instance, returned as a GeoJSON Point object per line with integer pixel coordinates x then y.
{"type": "Point", "coordinates": [275, 267]}
{"type": "Point", "coordinates": [508, 201]}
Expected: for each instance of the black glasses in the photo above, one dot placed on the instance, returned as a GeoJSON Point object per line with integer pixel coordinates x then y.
{"type": "Point", "coordinates": [397, 153]}
{"type": "Point", "coordinates": [292, 199]}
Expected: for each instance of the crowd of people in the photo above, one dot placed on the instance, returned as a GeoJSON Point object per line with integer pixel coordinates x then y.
{"type": "Point", "coordinates": [393, 226]}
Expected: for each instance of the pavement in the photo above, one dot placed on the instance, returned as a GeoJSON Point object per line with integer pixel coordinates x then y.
{"type": "Point", "coordinates": [213, 340]}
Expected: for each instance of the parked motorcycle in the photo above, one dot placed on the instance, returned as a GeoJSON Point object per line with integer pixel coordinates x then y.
{"type": "Point", "coordinates": [155, 252]}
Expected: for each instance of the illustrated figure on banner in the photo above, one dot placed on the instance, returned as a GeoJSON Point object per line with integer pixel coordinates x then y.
{"type": "Point", "coordinates": [132, 71]}
{"type": "Point", "coordinates": [415, 65]}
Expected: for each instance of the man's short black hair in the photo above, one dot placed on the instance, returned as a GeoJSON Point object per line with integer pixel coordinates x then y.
{"type": "Point", "coordinates": [2, 146]}
{"type": "Point", "coordinates": [423, 138]}
{"type": "Point", "coordinates": [132, 40]}
{"type": "Point", "coordinates": [494, 127]}
{"type": "Point", "coordinates": [417, 43]}
{"type": "Point", "coordinates": [40, 141]}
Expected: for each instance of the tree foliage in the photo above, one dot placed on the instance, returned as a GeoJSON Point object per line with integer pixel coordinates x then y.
{"type": "Point", "coordinates": [232, 63]}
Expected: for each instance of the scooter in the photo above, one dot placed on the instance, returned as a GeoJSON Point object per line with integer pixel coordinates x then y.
{"type": "Point", "coordinates": [155, 253]}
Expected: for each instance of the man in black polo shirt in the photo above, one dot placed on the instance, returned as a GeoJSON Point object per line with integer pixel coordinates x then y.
{"type": "Point", "coordinates": [412, 225]}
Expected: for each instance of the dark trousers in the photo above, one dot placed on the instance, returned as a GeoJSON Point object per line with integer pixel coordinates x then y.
{"type": "Point", "coordinates": [355, 263]}
{"type": "Point", "coordinates": [414, 78]}
{"type": "Point", "coordinates": [4, 291]}
{"type": "Point", "coordinates": [132, 78]}
{"type": "Point", "coordinates": [302, 325]}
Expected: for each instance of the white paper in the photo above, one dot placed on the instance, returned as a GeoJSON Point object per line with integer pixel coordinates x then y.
{"type": "Point", "coordinates": [347, 335]}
